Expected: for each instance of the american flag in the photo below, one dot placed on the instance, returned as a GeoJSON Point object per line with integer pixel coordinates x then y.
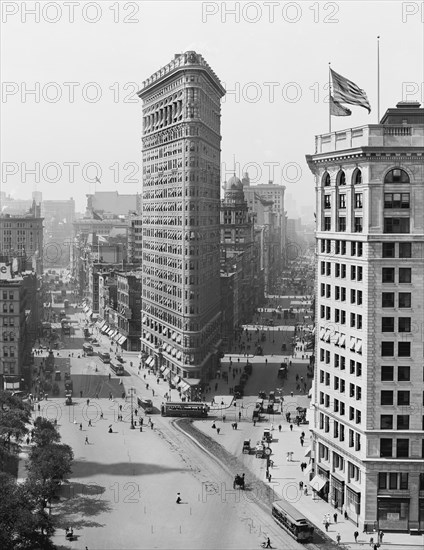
{"type": "Point", "coordinates": [346, 91]}
{"type": "Point", "coordinates": [336, 109]}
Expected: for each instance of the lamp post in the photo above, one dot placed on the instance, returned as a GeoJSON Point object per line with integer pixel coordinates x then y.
{"type": "Point", "coordinates": [132, 393]}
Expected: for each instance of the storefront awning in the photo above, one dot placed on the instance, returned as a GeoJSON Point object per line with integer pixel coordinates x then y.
{"type": "Point", "coordinates": [117, 336]}
{"type": "Point", "coordinates": [121, 340]}
{"type": "Point", "coordinates": [175, 380]}
{"type": "Point", "coordinates": [317, 483]}
{"type": "Point", "coordinates": [185, 386]}
{"type": "Point", "coordinates": [358, 347]}
{"type": "Point", "coordinates": [308, 452]}
{"type": "Point", "coordinates": [166, 371]}
{"type": "Point", "coordinates": [168, 348]}
{"type": "Point", "coordinates": [179, 354]}
{"type": "Point", "coordinates": [174, 335]}
{"type": "Point", "coordinates": [105, 328]}
{"type": "Point", "coordinates": [150, 360]}
{"type": "Point", "coordinates": [144, 319]}
{"type": "Point", "coordinates": [101, 323]}
{"type": "Point", "coordinates": [90, 312]}
{"type": "Point", "coordinates": [162, 368]}
{"type": "Point", "coordinates": [85, 309]}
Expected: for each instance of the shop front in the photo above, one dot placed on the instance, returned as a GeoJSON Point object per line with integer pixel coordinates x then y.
{"type": "Point", "coordinates": [353, 504]}
{"type": "Point", "coordinates": [393, 513]}
{"type": "Point", "coordinates": [337, 492]}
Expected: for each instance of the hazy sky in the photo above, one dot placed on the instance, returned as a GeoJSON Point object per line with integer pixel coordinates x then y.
{"type": "Point", "coordinates": [273, 60]}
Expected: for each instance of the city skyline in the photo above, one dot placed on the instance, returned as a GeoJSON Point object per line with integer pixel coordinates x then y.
{"type": "Point", "coordinates": [263, 85]}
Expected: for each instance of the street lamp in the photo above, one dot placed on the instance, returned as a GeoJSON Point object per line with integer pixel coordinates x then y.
{"type": "Point", "coordinates": [132, 393]}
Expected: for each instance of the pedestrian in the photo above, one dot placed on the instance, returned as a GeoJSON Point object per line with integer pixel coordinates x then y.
{"type": "Point", "coordinates": [178, 498]}
{"type": "Point", "coordinates": [268, 543]}
{"type": "Point", "coordinates": [80, 393]}
{"type": "Point", "coordinates": [88, 402]}
{"type": "Point", "coordinates": [86, 440]}
{"type": "Point", "coordinates": [291, 394]}
{"type": "Point", "coordinates": [235, 425]}
{"type": "Point", "coordinates": [300, 485]}
{"type": "Point", "coordinates": [335, 517]}
{"type": "Point", "coordinates": [38, 407]}
{"type": "Point", "coordinates": [239, 415]}
{"type": "Point", "coordinates": [327, 525]}
{"type": "Point", "coordinates": [80, 427]}
{"type": "Point", "coordinates": [301, 441]}
{"type": "Point", "coordinates": [380, 536]}
{"type": "Point", "coordinates": [135, 412]}
{"type": "Point", "coordinates": [355, 536]}
{"type": "Point", "coordinates": [279, 427]}
{"type": "Point", "coordinates": [151, 425]}
{"type": "Point", "coordinates": [101, 415]}
{"type": "Point", "coordinates": [269, 477]}
{"type": "Point", "coordinates": [218, 430]}
{"type": "Point", "coordinates": [372, 542]}
{"type": "Point", "coordinates": [223, 418]}
{"type": "Point", "coordinates": [120, 407]}
{"type": "Point", "coordinates": [291, 427]}
{"type": "Point", "coordinates": [153, 392]}
{"type": "Point", "coordinates": [147, 386]}
{"type": "Point", "coordinates": [89, 423]}
{"type": "Point", "coordinates": [338, 538]}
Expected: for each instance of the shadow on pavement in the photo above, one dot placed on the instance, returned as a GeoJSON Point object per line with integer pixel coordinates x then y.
{"type": "Point", "coordinates": [87, 468]}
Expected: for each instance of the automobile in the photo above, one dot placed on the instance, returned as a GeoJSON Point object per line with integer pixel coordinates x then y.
{"type": "Point", "coordinates": [67, 375]}
{"type": "Point", "coordinates": [246, 446]}
{"type": "Point", "coordinates": [119, 358]}
{"type": "Point", "coordinates": [262, 395]}
{"type": "Point", "coordinates": [57, 375]}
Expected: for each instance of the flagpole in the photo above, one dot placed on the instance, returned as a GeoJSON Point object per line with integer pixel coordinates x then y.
{"type": "Point", "coordinates": [378, 79]}
{"type": "Point", "coordinates": [329, 98]}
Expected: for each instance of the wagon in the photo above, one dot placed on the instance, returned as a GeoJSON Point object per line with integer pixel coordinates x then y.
{"type": "Point", "coordinates": [246, 446]}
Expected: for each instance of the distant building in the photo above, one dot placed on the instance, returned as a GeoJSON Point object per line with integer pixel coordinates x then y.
{"type": "Point", "coordinates": [19, 324]}
{"type": "Point", "coordinates": [21, 237]}
{"type": "Point", "coordinates": [114, 203]}
{"type": "Point", "coordinates": [59, 216]}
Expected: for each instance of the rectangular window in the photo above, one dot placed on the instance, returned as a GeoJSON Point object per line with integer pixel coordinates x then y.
{"type": "Point", "coordinates": [387, 349]}
{"type": "Point", "coordinates": [359, 297]}
{"type": "Point", "coordinates": [327, 379]}
{"type": "Point", "coordinates": [382, 480]}
{"type": "Point", "coordinates": [358, 225]}
{"type": "Point", "coordinates": [327, 223]}
{"type": "Point", "coordinates": [402, 448]}
{"type": "Point", "coordinates": [337, 274]}
{"type": "Point", "coordinates": [328, 313]}
{"type": "Point", "coordinates": [342, 362]}
{"type": "Point", "coordinates": [343, 294]}
{"type": "Point", "coordinates": [405, 250]}
{"type": "Point", "coordinates": [358, 200]}
{"type": "Point", "coordinates": [352, 296]}
{"type": "Point", "coordinates": [396, 200]}
{"type": "Point", "coordinates": [387, 373]}
{"type": "Point", "coordinates": [386, 397]}
{"type": "Point", "coordinates": [327, 201]}
{"type": "Point", "coordinates": [353, 248]}
{"type": "Point", "coordinates": [393, 477]}
{"type": "Point", "coordinates": [343, 248]}
{"type": "Point", "coordinates": [342, 408]}
{"type": "Point", "coordinates": [342, 201]}
{"type": "Point", "coordinates": [388, 250]}
{"type": "Point", "coordinates": [328, 291]}
{"type": "Point", "coordinates": [341, 224]}
{"type": "Point", "coordinates": [352, 320]}
{"type": "Point", "coordinates": [343, 271]}
{"type": "Point", "coordinates": [386, 422]}
{"type": "Point", "coordinates": [386, 447]}
{"type": "Point", "coordinates": [328, 268]}
{"type": "Point", "coordinates": [359, 249]}
{"type": "Point", "coordinates": [404, 324]}
{"type": "Point", "coordinates": [322, 289]}
{"type": "Point", "coordinates": [404, 374]}
{"type": "Point", "coordinates": [388, 299]}
{"type": "Point", "coordinates": [404, 349]}
{"type": "Point", "coordinates": [387, 324]}
{"type": "Point", "coordinates": [396, 225]}
{"type": "Point", "coordinates": [388, 274]}
{"type": "Point", "coordinates": [342, 317]}
{"type": "Point", "coordinates": [359, 273]}
{"type": "Point", "coordinates": [404, 275]}
{"type": "Point", "coordinates": [337, 247]}
{"type": "Point", "coordinates": [358, 369]}
{"type": "Point", "coordinates": [404, 299]}
{"type": "Point", "coordinates": [322, 268]}
{"type": "Point", "coordinates": [403, 397]}
{"type": "Point", "coordinates": [403, 481]}
{"type": "Point", "coordinates": [353, 272]}
{"type": "Point", "coordinates": [402, 421]}
{"type": "Point", "coordinates": [337, 293]}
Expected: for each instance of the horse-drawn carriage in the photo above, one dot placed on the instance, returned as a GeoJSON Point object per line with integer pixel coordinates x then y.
{"type": "Point", "coordinates": [239, 482]}
{"type": "Point", "coordinates": [246, 446]}
{"type": "Point", "coordinates": [260, 450]}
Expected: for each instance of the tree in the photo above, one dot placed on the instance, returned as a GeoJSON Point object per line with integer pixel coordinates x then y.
{"type": "Point", "coordinates": [14, 417]}
{"type": "Point", "coordinates": [44, 432]}
{"type": "Point", "coordinates": [48, 467]}
{"type": "Point", "coordinates": [24, 525]}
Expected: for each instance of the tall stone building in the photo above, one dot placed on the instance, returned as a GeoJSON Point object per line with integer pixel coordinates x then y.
{"type": "Point", "coordinates": [180, 207]}
{"type": "Point", "coordinates": [368, 440]}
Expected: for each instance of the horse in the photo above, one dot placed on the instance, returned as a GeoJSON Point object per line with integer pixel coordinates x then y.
{"type": "Point", "coordinates": [239, 482]}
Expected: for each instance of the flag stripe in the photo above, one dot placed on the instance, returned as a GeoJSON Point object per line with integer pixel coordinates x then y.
{"type": "Point", "coordinates": [336, 109]}
{"type": "Point", "coordinates": [345, 91]}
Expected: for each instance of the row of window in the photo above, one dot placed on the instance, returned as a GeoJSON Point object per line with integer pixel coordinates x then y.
{"type": "Point", "coordinates": [8, 308]}
{"type": "Point", "coordinates": [355, 415]}
{"type": "Point", "coordinates": [404, 250]}
{"type": "Point", "coordinates": [404, 275]}
{"type": "Point", "coordinates": [353, 472]}
{"type": "Point", "coordinates": [388, 349]}
{"type": "Point", "coordinates": [9, 351]}
{"type": "Point", "coordinates": [388, 324]}
{"type": "Point", "coordinates": [402, 422]}
{"type": "Point", "coordinates": [403, 299]}
{"type": "Point", "coordinates": [356, 271]}
{"type": "Point", "coordinates": [398, 448]}
{"type": "Point", "coordinates": [403, 373]}
{"type": "Point", "coordinates": [358, 201]}
{"type": "Point", "coordinates": [11, 295]}
{"type": "Point", "coordinates": [340, 293]}
{"type": "Point", "coordinates": [354, 438]}
{"type": "Point", "coordinates": [358, 225]}
{"type": "Point", "coordinates": [395, 175]}
{"type": "Point", "coordinates": [340, 317]}
{"type": "Point", "coordinates": [393, 480]}
{"type": "Point", "coordinates": [339, 384]}
{"type": "Point", "coordinates": [356, 248]}
{"type": "Point", "coordinates": [403, 397]}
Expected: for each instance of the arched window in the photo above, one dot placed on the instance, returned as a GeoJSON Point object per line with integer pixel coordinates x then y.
{"type": "Point", "coordinates": [357, 177]}
{"type": "Point", "coordinates": [397, 175]}
{"type": "Point", "coordinates": [326, 179]}
{"type": "Point", "coordinates": [341, 178]}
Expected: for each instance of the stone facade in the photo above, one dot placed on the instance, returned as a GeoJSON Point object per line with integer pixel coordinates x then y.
{"type": "Point", "coordinates": [368, 426]}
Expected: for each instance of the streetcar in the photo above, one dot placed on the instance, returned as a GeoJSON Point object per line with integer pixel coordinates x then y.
{"type": "Point", "coordinates": [117, 369]}
{"type": "Point", "coordinates": [199, 410]}
{"type": "Point", "coordinates": [104, 356]}
{"type": "Point", "coordinates": [88, 349]}
{"type": "Point", "coordinates": [292, 521]}
{"type": "Point", "coordinates": [145, 404]}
